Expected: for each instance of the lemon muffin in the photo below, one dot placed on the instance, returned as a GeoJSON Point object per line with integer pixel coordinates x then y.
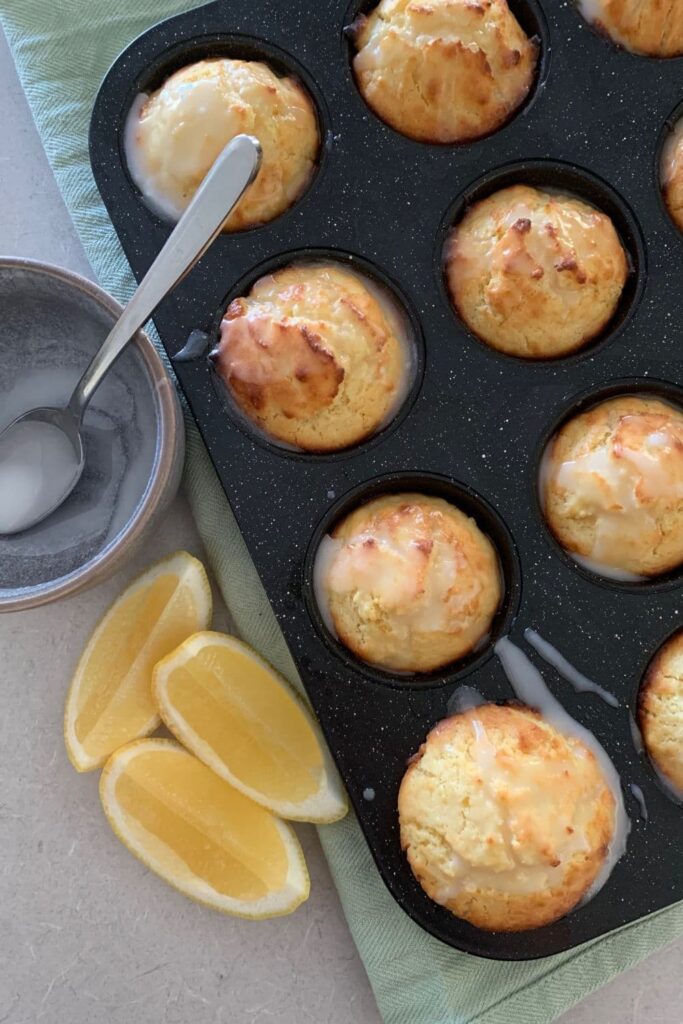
{"type": "Point", "coordinates": [443, 70]}
{"type": "Point", "coordinates": [533, 274]}
{"type": "Point", "coordinates": [653, 28]}
{"type": "Point", "coordinates": [316, 356]}
{"type": "Point", "coordinates": [409, 582]}
{"type": "Point", "coordinates": [505, 821]}
{"type": "Point", "coordinates": [612, 487]}
{"type": "Point", "coordinates": [672, 174]}
{"type": "Point", "coordinates": [660, 713]}
{"type": "Point", "coordinates": [174, 136]}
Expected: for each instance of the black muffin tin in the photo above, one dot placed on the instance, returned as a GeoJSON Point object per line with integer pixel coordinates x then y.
{"type": "Point", "coordinates": [475, 424]}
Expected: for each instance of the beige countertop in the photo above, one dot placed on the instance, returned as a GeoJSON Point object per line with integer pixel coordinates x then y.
{"type": "Point", "coordinates": [88, 935]}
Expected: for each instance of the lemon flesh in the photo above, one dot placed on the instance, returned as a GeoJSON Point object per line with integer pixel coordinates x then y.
{"type": "Point", "coordinates": [110, 699]}
{"type": "Point", "coordinates": [200, 834]}
{"type": "Point", "coordinates": [231, 709]}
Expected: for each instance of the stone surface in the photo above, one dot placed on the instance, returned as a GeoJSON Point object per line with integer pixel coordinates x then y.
{"type": "Point", "coordinates": [88, 935]}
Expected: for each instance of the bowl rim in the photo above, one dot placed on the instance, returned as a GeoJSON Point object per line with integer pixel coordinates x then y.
{"type": "Point", "coordinates": [167, 457]}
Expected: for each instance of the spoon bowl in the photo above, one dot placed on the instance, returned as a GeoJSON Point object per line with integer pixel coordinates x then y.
{"type": "Point", "coordinates": [41, 461]}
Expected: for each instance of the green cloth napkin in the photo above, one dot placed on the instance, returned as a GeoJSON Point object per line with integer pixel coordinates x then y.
{"type": "Point", "coordinates": [62, 49]}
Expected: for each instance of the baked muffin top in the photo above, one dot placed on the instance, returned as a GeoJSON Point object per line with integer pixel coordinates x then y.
{"type": "Point", "coordinates": [613, 486]}
{"type": "Point", "coordinates": [443, 70]}
{"type": "Point", "coordinates": [505, 821]}
{"type": "Point", "coordinates": [174, 136]}
{"type": "Point", "coordinates": [316, 356]}
{"type": "Point", "coordinates": [671, 173]}
{"type": "Point", "coordinates": [653, 28]}
{"type": "Point", "coordinates": [411, 582]}
{"type": "Point", "coordinates": [660, 713]}
{"type": "Point", "coordinates": [535, 274]}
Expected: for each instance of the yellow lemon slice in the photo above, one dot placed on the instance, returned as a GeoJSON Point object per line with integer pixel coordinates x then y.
{"type": "Point", "coordinates": [199, 834]}
{"type": "Point", "coordinates": [231, 709]}
{"type": "Point", "coordinates": [110, 699]}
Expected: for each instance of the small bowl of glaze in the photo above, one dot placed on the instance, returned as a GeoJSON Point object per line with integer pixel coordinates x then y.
{"type": "Point", "coordinates": [51, 324]}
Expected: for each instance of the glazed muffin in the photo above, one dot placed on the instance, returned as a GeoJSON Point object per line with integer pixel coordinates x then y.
{"type": "Point", "coordinates": [174, 136]}
{"type": "Point", "coordinates": [409, 582]}
{"type": "Point", "coordinates": [653, 28]}
{"type": "Point", "coordinates": [533, 274]}
{"type": "Point", "coordinates": [672, 174]}
{"type": "Point", "coordinates": [505, 821]}
{"type": "Point", "coordinates": [660, 713]}
{"type": "Point", "coordinates": [443, 70]}
{"type": "Point", "coordinates": [316, 356]}
{"type": "Point", "coordinates": [612, 487]}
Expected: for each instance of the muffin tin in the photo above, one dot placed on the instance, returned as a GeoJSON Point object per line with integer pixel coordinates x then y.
{"type": "Point", "coordinates": [474, 426]}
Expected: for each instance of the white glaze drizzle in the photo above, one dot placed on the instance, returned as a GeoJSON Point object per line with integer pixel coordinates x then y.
{"type": "Point", "coordinates": [608, 571]}
{"type": "Point", "coordinates": [464, 698]}
{"type": "Point", "coordinates": [529, 686]}
{"type": "Point", "coordinates": [324, 556]}
{"type": "Point", "coordinates": [636, 734]}
{"type": "Point", "coordinates": [580, 682]}
{"type": "Point", "coordinates": [162, 205]}
{"type": "Point", "coordinates": [639, 798]}
{"type": "Point", "coordinates": [592, 564]}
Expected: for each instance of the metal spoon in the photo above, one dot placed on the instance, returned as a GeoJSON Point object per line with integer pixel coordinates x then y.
{"type": "Point", "coordinates": [30, 436]}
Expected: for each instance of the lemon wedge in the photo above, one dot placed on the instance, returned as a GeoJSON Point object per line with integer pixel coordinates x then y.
{"type": "Point", "coordinates": [110, 699]}
{"type": "Point", "coordinates": [199, 834]}
{"type": "Point", "coordinates": [231, 709]}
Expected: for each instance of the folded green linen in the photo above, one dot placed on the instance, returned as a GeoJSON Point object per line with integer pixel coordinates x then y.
{"type": "Point", "coordinates": [62, 49]}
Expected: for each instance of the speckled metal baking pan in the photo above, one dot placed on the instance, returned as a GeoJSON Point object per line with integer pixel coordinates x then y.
{"type": "Point", "coordinates": [474, 426]}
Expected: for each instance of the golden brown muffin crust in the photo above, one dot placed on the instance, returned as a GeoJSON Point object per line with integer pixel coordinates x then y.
{"type": "Point", "coordinates": [184, 125]}
{"type": "Point", "coordinates": [533, 274]}
{"type": "Point", "coordinates": [443, 70]}
{"type": "Point", "coordinates": [315, 356]}
{"type": "Point", "coordinates": [613, 488]}
{"type": "Point", "coordinates": [660, 712]}
{"type": "Point", "coordinates": [653, 28]}
{"type": "Point", "coordinates": [505, 821]}
{"type": "Point", "coordinates": [672, 174]}
{"type": "Point", "coordinates": [414, 583]}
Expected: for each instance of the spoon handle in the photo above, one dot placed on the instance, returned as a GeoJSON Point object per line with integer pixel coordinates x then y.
{"type": "Point", "coordinates": [234, 169]}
